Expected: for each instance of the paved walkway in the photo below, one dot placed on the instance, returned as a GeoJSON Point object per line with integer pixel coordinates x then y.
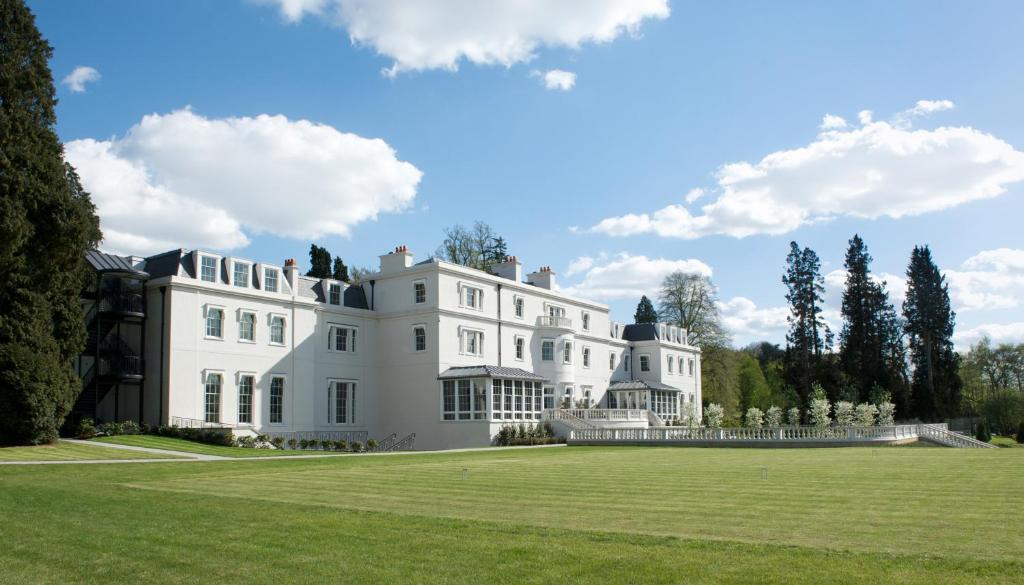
{"type": "Point", "coordinates": [188, 457]}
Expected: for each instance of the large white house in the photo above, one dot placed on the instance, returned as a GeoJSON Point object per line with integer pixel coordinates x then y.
{"type": "Point", "coordinates": [437, 349]}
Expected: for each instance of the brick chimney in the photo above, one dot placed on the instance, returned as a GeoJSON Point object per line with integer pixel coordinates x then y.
{"type": "Point", "coordinates": [395, 261]}
{"type": "Point", "coordinates": [291, 272]}
{"type": "Point", "coordinates": [543, 278]}
{"type": "Point", "coordinates": [510, 268]}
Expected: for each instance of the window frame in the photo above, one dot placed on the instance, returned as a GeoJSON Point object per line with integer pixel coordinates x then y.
{"type": "Point", "coordinates": [611, 361]}
{"type": "Point", "coordinates": [334, 289]}
{"type": "Point", "coordinates": [645, 362]}
{"type": "Point", "coordinates": [464, 334]}
{"type": "Point", "coordinates": [269, 271]}
{"type": "Point", "coordinates": [519, 306]}
{"type": "Point", "coordinates": [585, 356]}
{"type": "Point", "coordinates": [349, 405]}
{"type": "Point", "coordinates": [547, 343]}
{"type": "Point", "coordinates": [567, 350]}
{"type": "Point", "coordinates": [205, 380]}
{"type": "Point", "coordinates": [216, 265]}
{"type": "Point", "coordinates": [235, 264]}
{"type": "Point", "coordinates": [585, 320]}
{"type": "Point", "coordinates": [251, 414]}
{"type": "Point", "coordinates": [416, 338]}
{"type": "Point", "coordinates": [271, 319]}
{"type": "Point", "coordinates": [252, 328]}
{"type": "Point", "coordinates": [519, 347]}
{"type": "Point", "coordinates": [478, 296]}
{"type": "Point", "coordinates": [208, 309]}
{"type": "Point", "coordinates": [270, 399]}
{"type": "Point", "coordinates": [350, 337]}
{"type": "Point", "coordinates": [419, 285]}
{"type": "Point", "coordinates": [671, 359]}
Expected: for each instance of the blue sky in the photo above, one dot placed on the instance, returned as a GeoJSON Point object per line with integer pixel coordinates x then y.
{"type": "Point", "coordinates": [665, 98]}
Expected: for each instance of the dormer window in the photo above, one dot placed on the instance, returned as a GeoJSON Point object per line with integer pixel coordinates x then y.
{"type": "Point", "coordinates": [240, 274]}
{"type": "Point", "coordinates": [334, 294]}
{"type": "Point", "coordinates": [208, 268]}
{"type": "Point", "coordinates": [270, 279]}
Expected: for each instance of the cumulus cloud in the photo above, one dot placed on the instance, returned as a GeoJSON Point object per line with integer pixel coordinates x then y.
{"type": "Point", "coordinates": [181, 179]}
{"type": "Point", "coordinates": [992, 279]}
{"type": "Point", "coordinates": [578, 265]}
{"type": "Point", "coordinates": [624, 276]}
{"type": "Point", "coordinates": [418, 35]}
{"type": "Point", "coordinates": [747, 322]}
{"type": "Point", "coordinates": [875, 170]}
{"type": "Point", "coordinates": [830, 122]}
{"type": "Point", "coordinates": [77, 79]}
{"type": "Point", "coordinates": [557, 79]}
{"type": "Point", "coordinates": [895, 284]}
{"type": "Point", "coordinates": [997, 332]}
{"type": "Point", "coordinates": [925, 107]}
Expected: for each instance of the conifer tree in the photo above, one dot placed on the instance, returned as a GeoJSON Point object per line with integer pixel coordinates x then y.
{"type": "Point", "coordinates": [808, 334]}
{"type": "Point", "coordinates": [47, 223]}
{"type": "Point", "coordinates": [871, 347]}
{"type": "Point", "coordinates": [936, 385]}
{"type": "Point", "coordinates": [645, 312]}
{"type": "Point", "coordinates": [340, 271]}
{"type": "Point", "coordinates": [319, 262]}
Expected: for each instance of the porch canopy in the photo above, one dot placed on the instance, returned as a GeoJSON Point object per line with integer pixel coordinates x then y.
{"type": "Point", "coordinates": [485, 371]}
{"type": "Point", "coordinates": [659, 398]}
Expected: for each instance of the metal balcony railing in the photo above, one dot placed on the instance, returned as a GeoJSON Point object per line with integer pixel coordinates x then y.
{"type": "Point", "coordinates": [554, 321]}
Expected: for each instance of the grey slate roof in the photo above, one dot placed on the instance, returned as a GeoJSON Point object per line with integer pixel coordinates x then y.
{"type": "Point", "coordinates": [102, 262]}
{"type": "Point", "coordinates": [640, 332]}
{"type": "Point", "coordinates": [486, 371]}
{"type": "Point", "coordinates": [166, 264]}
{"type": "Point", "coordinates": [641, 385]}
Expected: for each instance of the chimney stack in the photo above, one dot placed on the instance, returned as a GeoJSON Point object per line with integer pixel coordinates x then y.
{"type": "Point", "coordinates": [400, 259]}
{"type": "Point", "coordinates": [543, 278]}
{"type": "Point", "coordinates": [510, 268]}
{"type": "Point", "coordinates": [291, 272]}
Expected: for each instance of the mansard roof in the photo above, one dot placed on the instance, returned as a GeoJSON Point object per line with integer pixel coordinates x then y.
{"type": "Point", "coordinates": [642, 385]}
{"type": "Point", "coordinates": [486, 371]}
{"type": "Point", "coordinates": [109, 263]}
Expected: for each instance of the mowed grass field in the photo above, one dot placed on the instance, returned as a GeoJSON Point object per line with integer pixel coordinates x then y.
{"type": "Point", "coordinates": [62, 451]}
{"type": "Point", "coordinates": [554, 515]}
{"type": "Point", "coordinates": [172, 444]}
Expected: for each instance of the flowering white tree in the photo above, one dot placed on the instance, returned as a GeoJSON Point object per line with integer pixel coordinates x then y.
{"type": "Point", "coordinates": [886, 414]}
{"type": "Point", "coordinates": [793, 417]}
{"type": "Point", "coordinates": [754, 418]}
{"type": "Point", "coordinates": [689, 415]}
{"type": "Point", "coordinates": [713, 415]}
{"type": "Point", "coordinates": [865, 414]}
{"type": "Point", "coordinates": [773, 417]}
{"type": "Point", "coordinates": [820, 408]}
{"type": "Point", "coordinates": [844, 414]}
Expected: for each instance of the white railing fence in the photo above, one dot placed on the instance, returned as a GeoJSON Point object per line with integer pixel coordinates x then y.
{"type": "Point", "coordinates": [933, 433]}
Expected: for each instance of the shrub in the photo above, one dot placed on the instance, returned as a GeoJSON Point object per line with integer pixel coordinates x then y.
{"type": "Point", "coordinates": [340, 445]}
{"type": "Point", "coordinates": [209, 436]}
{"type": "Point", "coordinates": [773, 418]}
{"type": "Point", "coordinates": [1020, 432]}
{"type": "Point", "coordinates": [371, 444]}
{"type": "Point", "coordinates": [713, 414]}
{"type": "Point", "coordinates": [865, 414]}
{"type": "Point", "coordinates": [982, 433]}
{"type": "Point", "coordinates": [886, 414]}
{"type": "Point", "coordinates": [304, 444]}
{"type": "Point", "coordinates": [292, 443]}
{"type": "Point", "coordinates": [845, 414]}
{"type": "Point", "coordinates": [357, 446]}
{"type": "Point", "coordinates": [754, 418]}
{"type": "Point", "coordinates": [793, 417]}
{"type": "Point", "coordinates": [820, 408]}
{"type": "Point", "coordinates": [277, 442]}
{"type": "Point", "coordinates": [247, 442]}
{"type": "Point", "coordinates": [86, 429]}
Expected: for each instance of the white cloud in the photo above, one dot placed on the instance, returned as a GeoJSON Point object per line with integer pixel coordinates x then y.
{"type": "Point", "coordinates": [895, 284]}
{"type": "Point", "coordinates": [746, 322]}
{"type": "Point", "coordinates": [992, 279]}
{"type": "Point", "coordinates": [830, 122]}
{"type": "Point", "coordinates": [624, 276]}
{"type": "Point", "coordinates": [864, 116]}
{"type": "Point", "coordinates": [581, 264]}
{"type": "Point", "coordinates": [81, 75]}
{"type": "Point", "coordinates": [419, 35]}
{"type": "Point", "coordinates": [925, 107]}
{"type": "Point", "coordinates": [997, 332]}
{"type": "Point", "coordinates": [558, 79]}
{"type": "Point", "coordinates": [876, 170]}
{"type": "Point", "coordinates": [693, 195]}
{"type": "Point", "coordinates": [181, 179]}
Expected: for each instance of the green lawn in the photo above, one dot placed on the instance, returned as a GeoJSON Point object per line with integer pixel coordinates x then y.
{"type": "Point", "coordinates": [1006, 442]}
{"type": "Point", "coordinates": [72, 452]}
{"type": "Point", "coordinates": [563, 515]}
{"type": "Point", "coordinates": [194, 447]}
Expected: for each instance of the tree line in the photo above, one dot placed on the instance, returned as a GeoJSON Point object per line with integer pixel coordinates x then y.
{"type": "Point", "coordinates": [880, 353]}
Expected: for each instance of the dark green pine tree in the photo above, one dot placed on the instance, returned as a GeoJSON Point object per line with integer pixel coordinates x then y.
{"type": "Point", "coordinates": [935, 385]}
{"type": "Point", "coordinates": [47, 223]}
{"type": "Point", "coordinates": [645, 312]}
{"type": "Point", "coordinates": [808, 334]}
{"type": "Point", "coordinates": [871, 349]}
{"type": "Point", "coordinates": [319, 262]}
{"type": "Point", "coordinates": [340, 271]}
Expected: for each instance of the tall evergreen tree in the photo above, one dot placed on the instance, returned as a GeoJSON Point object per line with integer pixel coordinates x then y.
{"type": "Point", "coordinates": [936, 385]}
{"type": "Point", "coordinates": [340, 271]}
{"type": "Point", "coordinates": [808, 334]}
{"type": "Point", "coordinates": [645, 312]}
{"type": "Point", "coordinates": [319, 262]}
{"type": "Point", "coordinates": [871, 347]}
{"type": "Point", "coordinates": [47, 223]}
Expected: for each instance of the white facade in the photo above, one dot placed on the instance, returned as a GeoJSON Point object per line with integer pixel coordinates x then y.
{"type": "Point", "coordinates": [368, 358]}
